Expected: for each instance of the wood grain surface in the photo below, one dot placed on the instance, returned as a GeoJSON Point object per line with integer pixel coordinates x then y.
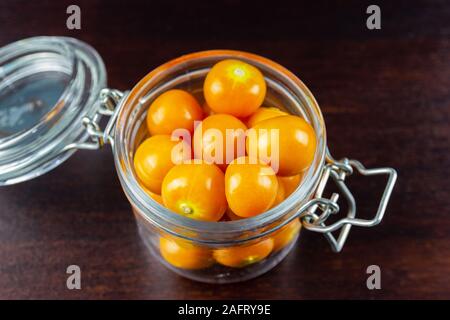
{"type": "Point", "coordinates": [386, 101]}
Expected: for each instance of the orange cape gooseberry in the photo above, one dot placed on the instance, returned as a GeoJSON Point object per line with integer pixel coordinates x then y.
{"type": "Point", "coordinates": [288, 143]}
{"type": "Point", "coordinates": [195, 189]}
{"type": "Point", "coordinates": [155, 157]}
{"type": "Point", "coordinates": [241, 256]}
{"type": "Point", "coordinates": [250, 186]}
{"type": "Point", "coordinates": [185, 255]}
{"type": "Point", "coordinates": [263, 114]}
{"type": "Point", "coordinates": [174, 109]}
{"type": "Point", "coordinates": [286, 235]}
{"type": "Point", "coordinates": [234, 87]}
{"type": "Point", "coordinates": [290, 183]}
{"type": "Point", "coordinates": [219, 139]}
{"type": "Point", "coordinates": [281, 194]}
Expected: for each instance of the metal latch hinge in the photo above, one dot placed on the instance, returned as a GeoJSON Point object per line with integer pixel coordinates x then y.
{"type": "Point", "coordinates": [338, 171]}
{"type": "Point", "coordinates": [109, 99]}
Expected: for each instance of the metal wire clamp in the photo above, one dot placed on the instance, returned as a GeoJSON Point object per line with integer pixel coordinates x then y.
{"type": "Point", "coordinates": [97, 138]}
{"type": "Point", "coordinates": [338, 170]}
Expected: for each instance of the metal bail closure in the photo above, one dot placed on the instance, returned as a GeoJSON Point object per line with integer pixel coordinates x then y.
{"type": "Point", "coordinates": [109, 99]}
{"type": "Point", "coordinates": [49, 88]}
{"type": "Point", "coordinates": [338, 171]}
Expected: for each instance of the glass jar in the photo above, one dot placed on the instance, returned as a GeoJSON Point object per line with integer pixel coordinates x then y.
{"type": "Point", "coordinates": [218, 252]}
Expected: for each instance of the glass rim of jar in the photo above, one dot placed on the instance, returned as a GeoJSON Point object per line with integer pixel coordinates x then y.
{"type": "Point", "coordinates": [203, 231]}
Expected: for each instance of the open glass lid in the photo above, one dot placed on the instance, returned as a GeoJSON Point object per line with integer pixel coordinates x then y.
{"type": "Point", "coordinates": [47, 86]}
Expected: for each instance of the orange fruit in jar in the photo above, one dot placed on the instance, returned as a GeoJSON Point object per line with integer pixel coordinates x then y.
{"type": "Point", "coordinates": [155, 157]}
{"type": "Point", "coordinates": [263, 114]}
{"type": "Point", "coordinates": [281, 194]}
{"type": "Point", "coordinates": [174, 109]}
{"type": "Point", "coordinates": [234, 87]}
{"type": "Point", "coordinates": [288, 143]}
{"type": "Point", "coordinates": [241, 256]}
{"type": "Point", "coordinates": [185, 255]}
{"type": "Point", "coordinates": [250, 186]}
{"type": "Point", "coordinates": [195, 189]}
{"type": "Point", "coordinates": [286, 235]}
{"type": "Point", "coordinates": [219, 139]}
{"type": "Point", "coordinates": [290, 183]}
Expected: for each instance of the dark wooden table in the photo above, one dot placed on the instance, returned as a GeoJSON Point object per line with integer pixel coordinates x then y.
{"type": "Point", "coordinates": [385, 97]}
